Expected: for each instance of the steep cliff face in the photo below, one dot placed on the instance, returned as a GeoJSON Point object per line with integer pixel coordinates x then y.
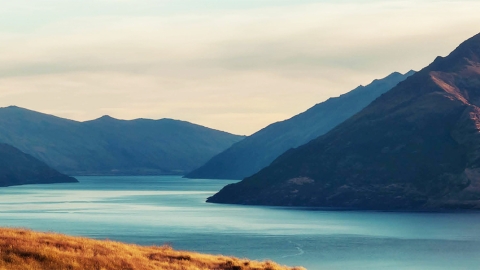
{"type": "Point", "coordinates": [415, 147]}
{"type": "Point", "coordinates": [259, 149]}
{"type": "Point", "coordinates": [18, 168]}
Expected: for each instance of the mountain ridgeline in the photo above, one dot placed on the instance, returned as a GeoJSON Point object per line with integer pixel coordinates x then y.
{"type": "Point", "coordinates": [109, 146]}
{"type": "Point", "coordinates": [260, 149]}
{"type": "Point", "coordinates": [18, 168]}
{"type": "Point", "coordinates": [415, 147]}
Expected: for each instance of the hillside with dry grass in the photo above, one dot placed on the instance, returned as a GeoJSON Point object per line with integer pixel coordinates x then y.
{"type": "Point", "coordinates": [28, 250]}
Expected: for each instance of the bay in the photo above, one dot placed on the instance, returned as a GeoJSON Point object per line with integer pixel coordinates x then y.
{"type": "Point", "coordinates": [157, 210]}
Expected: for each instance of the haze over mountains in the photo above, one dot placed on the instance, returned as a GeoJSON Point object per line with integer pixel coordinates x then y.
{"type": "Point", "coordinates": [415, 147]}
{"type": "Point", "coordinates": [111, 146]}
{"type": "Point", "coordinates": [18, 168]}
{"type": "Point", "coordinates": [260, 149]}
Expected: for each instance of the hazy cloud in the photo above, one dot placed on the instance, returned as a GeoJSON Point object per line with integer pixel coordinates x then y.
{"type": "Point", "coordinates": [236, 66]}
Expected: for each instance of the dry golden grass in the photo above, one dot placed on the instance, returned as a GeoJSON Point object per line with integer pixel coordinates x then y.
{"type": "Point", "coordinates": [28, 250]}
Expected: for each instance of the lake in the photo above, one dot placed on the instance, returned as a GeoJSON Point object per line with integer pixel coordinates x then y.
{"type": "Point", "coordinates": [157, 210]}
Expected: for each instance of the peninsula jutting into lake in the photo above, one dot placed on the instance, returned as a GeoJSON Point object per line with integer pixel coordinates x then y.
{"type": "Point", "coordinates": [413, 148]}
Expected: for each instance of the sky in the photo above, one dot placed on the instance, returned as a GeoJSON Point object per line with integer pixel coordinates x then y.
{"type": "Point", "coordinates": [232, 65]}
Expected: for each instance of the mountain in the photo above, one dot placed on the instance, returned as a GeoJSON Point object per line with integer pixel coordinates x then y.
{"type": "Point", "coordinates": [111, 146]}
{"type": "Point", "coordinates": [260, 149]}
{"type": "Point", "coordinates": [415, 147]}
{"type": "Point", "coordinates": [18, 168]}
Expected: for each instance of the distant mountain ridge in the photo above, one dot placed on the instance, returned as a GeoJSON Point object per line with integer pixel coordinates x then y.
{"type": "Point", "coordinates": [18, 168]}
{"type": "Point", "coordinates": [110, 146]}
{"type": "Point", "coordinates": [260, 149]}
{"type": "Point", "coordinates": [415, 147]}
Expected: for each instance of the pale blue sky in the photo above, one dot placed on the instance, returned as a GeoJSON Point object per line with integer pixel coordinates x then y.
{"type": "Point", "coordinates": [227, 64]}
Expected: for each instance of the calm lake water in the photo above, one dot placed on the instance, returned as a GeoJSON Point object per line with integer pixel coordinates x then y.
{"type": "Point", "coordinates": [158, 210]}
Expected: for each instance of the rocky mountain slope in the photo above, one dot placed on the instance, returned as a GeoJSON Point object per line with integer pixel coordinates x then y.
{"type": "Point", "coordinates": [111, 146]}
{"type": "Point", "coordinates": [415, 147]}
{"type": "Point", "coordinates": [260, 149]}
{"type": "Point", "coordinates": [18, 168]}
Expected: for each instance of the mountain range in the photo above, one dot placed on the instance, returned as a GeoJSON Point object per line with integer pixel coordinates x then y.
{"type": "Point", "coordinates": [18, 168]}
{"type": "Point", "coordinates": [415, 147]}
{"type": "Point", "coordinates": [108, 146]}
{"type": "Point", "coordinates": [261, 148]}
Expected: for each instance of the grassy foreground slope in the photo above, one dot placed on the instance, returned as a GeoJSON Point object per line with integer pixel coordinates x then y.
{"type": "Point", "coordinates": [25, 249]}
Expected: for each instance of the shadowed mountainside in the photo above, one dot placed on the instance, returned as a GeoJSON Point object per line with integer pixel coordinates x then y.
{"type": "Point", "coordinates": [415, 147]}
{"type": "Point", "coordinates": [111, 146]}
{"type": "Point", "coordinates": [18, 168]}
{"type": "Point", "coordinates": [260, 149]}
{"type": "Point", "coordinates": [24, 249]}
